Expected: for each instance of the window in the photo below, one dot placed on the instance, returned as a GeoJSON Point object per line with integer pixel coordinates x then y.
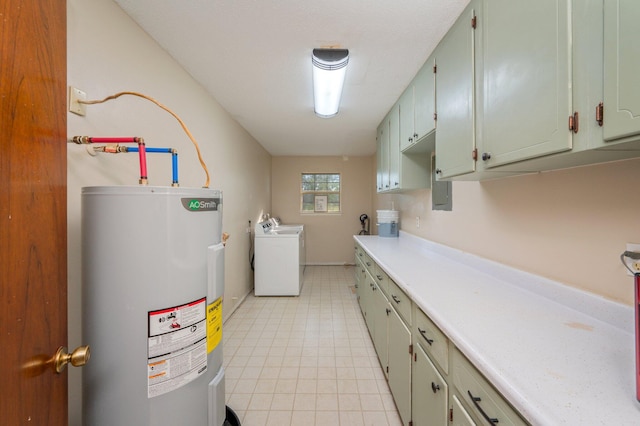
{"type": "Point", "coordinates": [320, 193]}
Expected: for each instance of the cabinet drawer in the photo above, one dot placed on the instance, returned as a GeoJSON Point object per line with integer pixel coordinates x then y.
{"type": "Point", "coordinates": [485, 403]}
{"type": "Point", "coordinates": [360, 254]}
{"type": "Point", "coordinates": [432, 340]}
{"type": "Point", "coordinates": [382, 279]}
{"type": "Point", "coordinates": [400, 301]}
{"type": "Point", "coordinates": [368, 263]}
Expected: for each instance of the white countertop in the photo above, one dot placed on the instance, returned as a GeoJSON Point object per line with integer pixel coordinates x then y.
{"type": "Point", "coordinates": [559, 355]}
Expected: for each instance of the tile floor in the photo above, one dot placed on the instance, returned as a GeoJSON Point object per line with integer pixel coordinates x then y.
{"type": "Point", "coordinates": [306, 360]}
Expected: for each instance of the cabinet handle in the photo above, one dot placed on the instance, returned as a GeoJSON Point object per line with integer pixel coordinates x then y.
{"type": "Point", "coordinates": [360, 254]}
{"type": "Point", "coordinates": [368, 263]}
{"type": "Point", "coordinates": [388, 311]}
{"type": "Point", "coordinates": [476, 400]}
{"type": "Point", "coordinates": [486, 156]}
{"type": "Point", "coordinates": [424, 336]}
{"type": "Point", "coordinates": [410, 140]}
{"type": "Point", "coordinates": [438, 171]}
{"type": "Point", "coordinates": [371, 285]}
{"type": "Point", "coordinates": [379, 277]}
{"type": "Point", "coordinates": [415, 135]}
{"type": "Point", "coordinates": [395, 299]}
{"type": "Point", "coordinates": [435, 388]}
{"type": "Point", "coordinates": [356, 285]}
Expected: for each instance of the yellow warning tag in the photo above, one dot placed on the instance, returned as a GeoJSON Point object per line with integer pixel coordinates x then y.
{"type": "Point", "coordinates": [214, 324]}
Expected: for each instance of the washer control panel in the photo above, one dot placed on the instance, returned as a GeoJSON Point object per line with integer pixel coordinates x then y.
{"type": "Point", "coordinates": [266, 226]}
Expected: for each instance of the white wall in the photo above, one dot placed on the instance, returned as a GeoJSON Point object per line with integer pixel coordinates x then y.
{"type": "Point", "coordinates": [567, 225]}
{"type": "Point", "coordinates": [329, 237]}
{"type": "Point", "coordinates": [108, 53]}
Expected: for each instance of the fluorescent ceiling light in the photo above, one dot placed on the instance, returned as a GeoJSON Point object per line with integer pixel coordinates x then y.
{"type": "Point", "coordinates": [329, 69]}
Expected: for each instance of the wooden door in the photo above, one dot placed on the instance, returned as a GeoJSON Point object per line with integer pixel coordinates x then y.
{"type": "Point", "coordinates": [33, 210]}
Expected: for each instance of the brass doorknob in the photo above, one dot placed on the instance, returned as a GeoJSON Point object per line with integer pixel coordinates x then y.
{"type": "Point", "coordinates": [79, 357]}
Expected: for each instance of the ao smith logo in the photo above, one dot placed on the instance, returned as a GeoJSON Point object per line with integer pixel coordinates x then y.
{"type": "Point", "coordinates": [200, 204]}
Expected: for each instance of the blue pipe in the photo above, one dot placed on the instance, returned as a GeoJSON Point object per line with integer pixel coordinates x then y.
{"type": "Point", "coordinates": [174, 158]}
{"type": "Point", "coordinates": [149, 149]}
{"type": "Point", "coordinates": [174, 163]}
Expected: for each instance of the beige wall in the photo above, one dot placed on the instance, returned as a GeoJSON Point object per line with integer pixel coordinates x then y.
{"type": "Point", "coordinates": [568, 225]}
{"type": "Point", "coordinates": [108, 53]}
{"type": "Point", "coordinates": [329, 236]}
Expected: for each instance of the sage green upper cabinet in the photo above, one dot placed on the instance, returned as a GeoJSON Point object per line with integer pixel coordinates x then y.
{"type": "Point", "coordinates": [399, 171]}
{"type": "Point", "coordinates": [424, 101]}
{"type": "Point", "coordinates": [621, 69]}
{"type": "Point", "coordinates": [382, 157]}
{"type": "Point", "coordinates": [394, 148]}
{"type": "Point", "coordinates": [388, 151]}
{"type": "Point", "coordinates": [406, 117]}
{"type": "Point", "coordinates": [526, 63]}
{"type": "Point", "coordinates": [455, 97]}
{"type": "Point", "coordinates": [417, 107]}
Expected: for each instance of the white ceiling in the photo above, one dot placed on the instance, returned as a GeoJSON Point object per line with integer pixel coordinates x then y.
{"type": "Point", "coordinates": [254, 57]}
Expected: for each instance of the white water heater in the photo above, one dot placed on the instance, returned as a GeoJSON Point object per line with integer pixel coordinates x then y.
{"type": "Point", "coordinates": [153, 280]}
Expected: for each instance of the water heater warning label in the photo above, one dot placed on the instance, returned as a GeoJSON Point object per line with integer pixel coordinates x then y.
{"type": "Point", "coordinates": [214, 324]}
{"type": "Point", "coordinates": [177, 346]}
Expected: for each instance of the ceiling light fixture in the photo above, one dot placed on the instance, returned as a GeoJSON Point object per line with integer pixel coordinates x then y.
{"type": "Point", "coordinates": [329, 69]}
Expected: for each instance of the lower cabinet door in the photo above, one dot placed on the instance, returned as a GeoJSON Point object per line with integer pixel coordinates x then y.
{"type": "Point", "coordinates": [380, 338]}
{"type": "Point", "coordinates": [369, 305]}
{"type": "Point", "coordinates": [459, 416]}
{"type": "Point", "coordinates": [400, 365]}
{"type": "Point", "coordinates": [429, 392]}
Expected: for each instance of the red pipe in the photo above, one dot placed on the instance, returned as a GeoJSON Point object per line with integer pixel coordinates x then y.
{"type": "Point", "coordinates": [142, 153]}
{"type": "Point", "coordinates": [637, 310]}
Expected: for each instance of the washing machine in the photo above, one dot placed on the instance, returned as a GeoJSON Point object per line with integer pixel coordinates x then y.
{"type": "Point", "coordinates": [279, 260]}
{"type": "Point", "coordinates": [278, 225]}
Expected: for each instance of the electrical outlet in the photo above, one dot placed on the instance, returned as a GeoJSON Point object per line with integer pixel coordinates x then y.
{"type": "Point", "coordinates": [634, 264]}
{"type": "Point", "coordinates": [76, 107]}
{"type": "Point", "coordinates": [417, 221]}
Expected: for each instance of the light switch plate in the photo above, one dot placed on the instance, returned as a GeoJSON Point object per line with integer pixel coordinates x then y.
{"type": "Point", "coordinates": [74, 106]}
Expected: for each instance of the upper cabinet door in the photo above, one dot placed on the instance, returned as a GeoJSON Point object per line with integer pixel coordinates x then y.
{"type": "Point", "coordinates": [455, 98]}
{"type": "Point", "coordinates": [621, 68]}
{"type": "Point", "coordinates": [382, 157]}
{"type": "Point", "coordinates": [394, 148]}
{"type": "Point", "coordinates": [424, 101]}
{"type": "Point", "coordinates": [406, 118]}
{"type": "Point", "coordinates": [526, 60]}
